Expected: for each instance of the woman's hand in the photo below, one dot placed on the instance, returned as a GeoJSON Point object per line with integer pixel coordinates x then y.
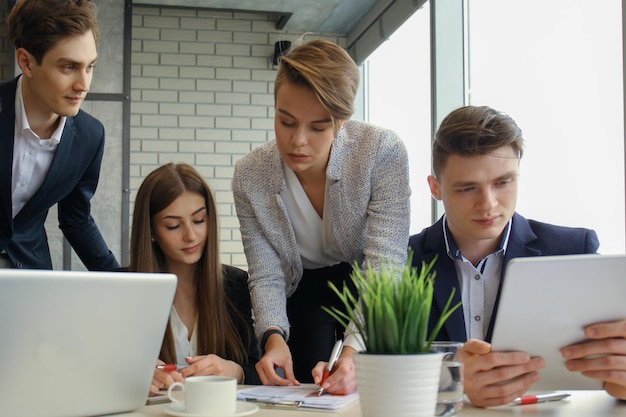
{"type": "Point", "coordinates": [342, 379]}
{"type": "Point", "coordinates": [212, 365]}
{"type": "Point", "coordinates": [277, 355]}
{"type": "Point", "coordinates": [162, 379]}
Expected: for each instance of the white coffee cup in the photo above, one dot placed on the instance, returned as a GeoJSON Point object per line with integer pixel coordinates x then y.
{"type": "Point", "coordinates": [207, 395]}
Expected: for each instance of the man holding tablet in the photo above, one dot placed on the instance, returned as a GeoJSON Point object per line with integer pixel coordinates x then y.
{"type": "Point", "coordinates": [476, 155]}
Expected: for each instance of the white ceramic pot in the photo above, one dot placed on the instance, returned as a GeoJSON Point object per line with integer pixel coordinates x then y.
{"type": "Point", "coordinates": [398, 385]}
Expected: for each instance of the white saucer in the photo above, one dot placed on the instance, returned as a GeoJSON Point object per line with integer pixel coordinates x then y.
{"type": "Point", "coordinates": [243, 409]}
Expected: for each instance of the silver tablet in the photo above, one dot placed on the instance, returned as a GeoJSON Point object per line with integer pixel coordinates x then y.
{"type": "Point", "coordinates": [546, 302]}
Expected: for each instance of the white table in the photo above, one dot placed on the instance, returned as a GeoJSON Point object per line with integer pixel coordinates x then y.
{"type": "Point", "coordinates": [580, 404]}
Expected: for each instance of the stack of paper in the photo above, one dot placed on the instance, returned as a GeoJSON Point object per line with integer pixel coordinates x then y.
{"type": "Point", "coordinates": [304, 396]}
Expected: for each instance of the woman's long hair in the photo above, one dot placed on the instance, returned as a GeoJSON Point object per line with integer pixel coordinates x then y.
{"type": "Point", "coordinates": [217, 329]}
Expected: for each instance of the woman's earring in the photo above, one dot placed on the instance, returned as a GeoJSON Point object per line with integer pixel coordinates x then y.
{"type": "Point", "coordinates": [152, 239]}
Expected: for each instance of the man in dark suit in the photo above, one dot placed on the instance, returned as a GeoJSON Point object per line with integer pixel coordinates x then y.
{"type": "Point", "coordinates": [50, 150]}
{"type": "Point", "coordinates": [476, 155]}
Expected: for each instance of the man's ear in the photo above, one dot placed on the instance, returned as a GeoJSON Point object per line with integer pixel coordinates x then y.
{"type": "Point", "coordinates": [25, 61]}
{"type": "Point", "coordinates": [433, 184]}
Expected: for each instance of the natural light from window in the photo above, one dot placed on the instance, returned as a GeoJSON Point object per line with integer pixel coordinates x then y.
{"type": "Point", "coordinates": [556, 67]}
{"type": "Point", "coordinates": [399, 99]}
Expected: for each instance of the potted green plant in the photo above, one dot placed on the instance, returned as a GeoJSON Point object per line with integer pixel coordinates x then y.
{"type": "Point", "coordinates": [390, 316]}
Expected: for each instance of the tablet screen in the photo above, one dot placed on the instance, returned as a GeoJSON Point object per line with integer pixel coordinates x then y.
{"type": "Point", "coordinates": [546, 302]}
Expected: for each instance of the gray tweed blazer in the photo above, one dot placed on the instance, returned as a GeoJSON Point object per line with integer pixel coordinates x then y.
{"type": "Point", "coordinates": [370, 213]}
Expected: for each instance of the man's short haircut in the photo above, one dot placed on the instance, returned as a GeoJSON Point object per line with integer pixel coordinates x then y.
{"type": "Point", "coordinates": [472, 131]}
{"type": "Point", "coordinates": [37, 25]}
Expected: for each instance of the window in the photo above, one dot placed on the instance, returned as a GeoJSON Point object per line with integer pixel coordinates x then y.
{"type": "Point", "coordinates": [397, 88]}
{"type": "Point", "coordinates": [555, 66]}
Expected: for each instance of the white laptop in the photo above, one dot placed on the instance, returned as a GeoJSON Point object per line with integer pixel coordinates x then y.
{"type": "Point", "coordinates": [76, 343]}
{"type": "Point", "coordinates": [545, 303]}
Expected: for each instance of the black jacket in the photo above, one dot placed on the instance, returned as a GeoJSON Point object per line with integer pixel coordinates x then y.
{"type": "Point", "coordinates": [236, 287]}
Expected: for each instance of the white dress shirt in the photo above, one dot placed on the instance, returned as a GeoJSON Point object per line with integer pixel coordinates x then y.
{"type": "Point", "coordinates": [32, 155]}
{"type": "Point", "coordinates": [479, 283]}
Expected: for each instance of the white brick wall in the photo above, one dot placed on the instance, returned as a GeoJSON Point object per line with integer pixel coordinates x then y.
{"type": "Point", "coordinates": [202, 93]}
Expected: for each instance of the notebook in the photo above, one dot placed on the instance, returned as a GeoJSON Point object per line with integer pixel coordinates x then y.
{"type": "Point", "coordinates": [76, 343]}
{"type": "Point", "coordinates": [303, 397]}
{"type": "Point", "coordinates": [545, 303]}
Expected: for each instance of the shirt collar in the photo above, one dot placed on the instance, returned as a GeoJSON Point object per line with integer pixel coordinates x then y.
{"type": "Point", "coordinates": [21, 121]}
{"type": "Point", "coordinates": [455, 253]}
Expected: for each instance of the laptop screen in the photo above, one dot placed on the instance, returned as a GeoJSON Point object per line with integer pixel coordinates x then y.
{"type": "Point", "coordinates": [78, 343]}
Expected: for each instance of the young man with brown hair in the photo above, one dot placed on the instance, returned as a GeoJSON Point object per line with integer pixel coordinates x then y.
{"type": "Point", "coordinates": [476, 155]}
{"type": "Point", "coordinates": [50, 150]}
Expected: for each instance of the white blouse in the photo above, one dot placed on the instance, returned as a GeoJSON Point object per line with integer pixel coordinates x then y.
{"type": "Point", "coordinates": [185, 346]}
{"type": "Point", "coordinates": [314, 235]}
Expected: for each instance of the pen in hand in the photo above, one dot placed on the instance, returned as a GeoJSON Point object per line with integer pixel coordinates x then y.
{"type": "Point", "coordinates": [540, 398]}
{"type": "Point", "coordinates": [334, 355]}
{"type": "Point", "coordinates": [168, 367]}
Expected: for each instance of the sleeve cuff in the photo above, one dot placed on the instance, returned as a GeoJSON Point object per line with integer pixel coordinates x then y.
{"type": "Point", "coordinates": [355, 341]}
{"type": "Point", "coordinates": [267, 334]}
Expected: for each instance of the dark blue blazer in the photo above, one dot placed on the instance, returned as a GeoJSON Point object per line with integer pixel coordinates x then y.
{"type": "Point", "coordinates": [528, 238]}
{"type": "Point", "coordinates": [71, 182]}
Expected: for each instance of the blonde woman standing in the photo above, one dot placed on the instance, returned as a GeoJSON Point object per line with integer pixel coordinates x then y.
{"type": "Point", "coordinates": [327, 193]}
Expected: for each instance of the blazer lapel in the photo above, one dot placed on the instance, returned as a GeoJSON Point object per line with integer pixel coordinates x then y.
{"type": "Point", "coordinates": [7, 134]}
{"type": "Point", "coordinates": [276, 226]}
{"type": "Point", "coordinates": [58, 167]}
{"type": "Point", "coordinates": [445, 279]}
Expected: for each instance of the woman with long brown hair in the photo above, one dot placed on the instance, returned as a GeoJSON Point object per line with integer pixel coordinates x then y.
{"type": "Point", "coordinates": [175, 230]}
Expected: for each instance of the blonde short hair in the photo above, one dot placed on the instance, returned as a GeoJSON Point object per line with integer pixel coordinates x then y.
{"type": "Point", "coordinates": [327, 70]}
